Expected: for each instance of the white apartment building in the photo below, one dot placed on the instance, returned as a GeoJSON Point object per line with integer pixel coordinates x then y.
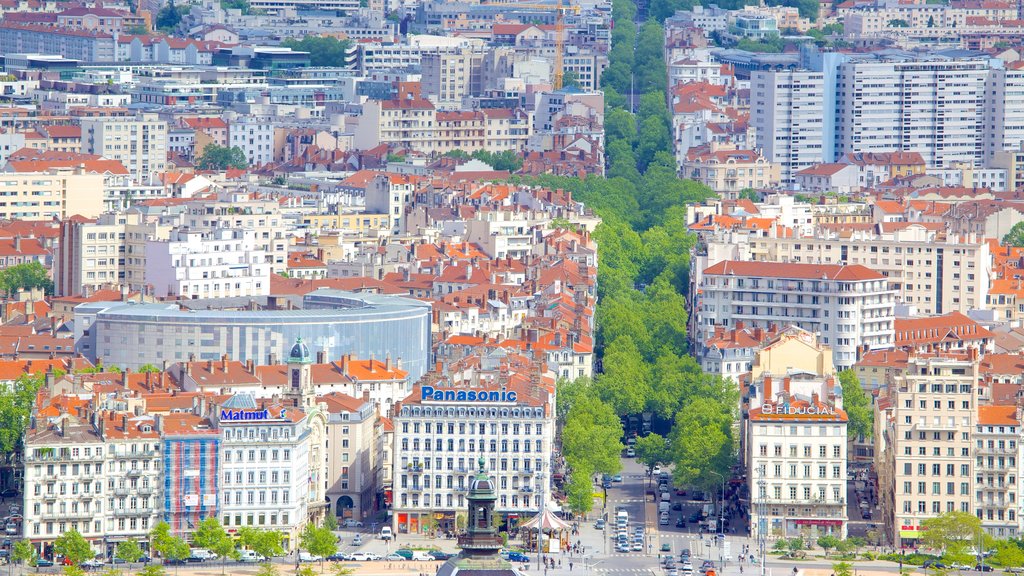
{"type": "Point", "coordinates": [66, 474]}
{"type": "Point", "coordinates": [1005, 107]}
{"type": "Point", "coordinates": [797, 454]}
{"type": "Point", "coordinates": [264, 465]}
{"type": "Point", "coordinates": [998, 445]}
{"type": "Point", "coordinates": [139, 142]}
{"type": "Point", "coordinates": [789, 115]}
{"type": "Point", "coordinates": [939, 110]}
{"type": "Point", "coordinates": [451, 76]}
{"type": "Point", "coordinates": [849, 306]}
{"type": "Point", "coordinates": [55, 193]}
{"type": "Point", "coordinates": [239, 211]}
{"type": "Point", "coordinates": [926, 457]}
{"type": "Point", "coordinates": [215, 263]}
{"type": "Point", "coordinates": [255, 136]}
{"type": "Point", "coordinates": [935, 271]}
{"type": "Point", "coordinates": [100, 476]}
{"type": "Point", "coordinates": [439, 434]}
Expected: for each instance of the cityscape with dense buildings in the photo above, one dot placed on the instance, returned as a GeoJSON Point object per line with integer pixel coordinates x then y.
{"type": "Point", "coordinates": [409, 287]}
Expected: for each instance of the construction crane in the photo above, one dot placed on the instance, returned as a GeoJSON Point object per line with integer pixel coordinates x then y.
{"type": "Point", "coordinates": [560, 10]}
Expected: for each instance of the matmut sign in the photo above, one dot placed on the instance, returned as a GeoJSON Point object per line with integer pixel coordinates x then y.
{"type": "Point", "coordinates": [786, 409]}
{"type": "Point", "coordinates": [429, 393]}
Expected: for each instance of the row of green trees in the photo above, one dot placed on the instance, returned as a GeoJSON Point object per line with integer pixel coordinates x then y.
{"type": "Point", "coordinates": [642, 278]}
{"type": "Point", "coordinates": [209, 535]}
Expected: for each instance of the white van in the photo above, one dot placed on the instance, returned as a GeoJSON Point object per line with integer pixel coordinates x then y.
{"type": "Point", "coordinates": [666, 496]}
{"type": "Point", "coordinates": [250, 556]}
{"type": "Point", "coordinates": [663, 506]}
{"type": "Point", "coordinates": [385, 533]}
{"type": "Point", "coordinates": [422, 555]}
{"type": "Point", "coordinates": [202, 554]}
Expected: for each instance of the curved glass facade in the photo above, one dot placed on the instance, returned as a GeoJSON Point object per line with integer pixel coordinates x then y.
{"type": "Point", "coordinates": [130, 335]}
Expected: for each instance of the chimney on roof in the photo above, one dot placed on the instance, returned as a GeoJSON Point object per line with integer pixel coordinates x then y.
{"type": "Point", "coordinates": [272, 359]}
{"type": "Point", "coordinates": [210, 366]}
{"type": "Point", "coordinates": [321, 357]}
{"type": "Point", "coordinates": [224, 363]}
{"type": "Point", "coordinates": [767, 389]}
{"type": "Point", "coordinates": [815, 399]}
{"type": "Point", "coordinates": [250, 366]}
{"type": "Point", "coordinates": [785, 385]}
{"type": "Point", "coordinates": [387, 362]}
{"type": "Point", "coordinates": [124, 378]}
{"type": "Point", "coordinates": [124, 422]}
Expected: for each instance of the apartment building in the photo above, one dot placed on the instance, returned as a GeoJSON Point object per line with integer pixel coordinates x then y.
{"type": "Point", "coordinates": [241, 211]}
{"type": "Point", "coordinates": [935, 271]}
{"type": "Point", "coordinates": [264, 466]}
{"type": "Point", "coordinates": [964, 110]}
{"type": "Point", "coordinates": [451, 76]}
{"type": "Point", "coordinates": [190, 448]}
{"type": "Point", "coordinates": [926, 455]}
{"type": "Point", "coordinates": [66, 474]}
{"type": "Point", "coordinates": [138, 142]}
{"type": "Point", "coordinates": [215, 263]}
{"type": "Point", "coordinates": [997, 449]}
{"type": "Point", "coordinates": [728, 171]}
{"type": "Point", "coordinates": [852, 307]}
{"type": "Point", "coordinates": [408, 120]}
{"type": "Point", "coordinates": [90, 255]}
{"type": "Point", "coordinates": [353, 477]}
{"type": "Point", "coordinates": [797, 455]}
{"type": "Point", "coordinates": [788, 112]}
{"type": "Point", "coordinates": [49, 193]}
{"type": "Point", "coordinates": [440, 432]}
{"type": "Point", "coordinates": [134, 477]}
{"type": "Point", "coordinates": [255, 136]}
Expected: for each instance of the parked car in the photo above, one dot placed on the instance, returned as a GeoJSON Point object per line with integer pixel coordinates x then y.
{"type": "Point", "coordinates": [365, 557]}
{"type": "Point", "coordinates": [517, 557]}
{"type": "Point", "coordinates": [438, 555]}
{"type": "Point", "coordinates": [680, 523]}
{"type": "Point", "coordinates": [630, 453]}
{"type": "Point", "coordinates": [352, 523]}
{"type": "Point", "coordinates": [307, 557]}
{"type": "Point", "coordinates": [9, 492]}
{"type": "Point", "coordinates": [599, 524]}
{"type": "Point", "coordinates": [358, 540]}
{"type": "Point", "coordinates": [617, 478]}
{"type": "Point", "coordinates": [248, 556]}
{"type": "Point", "coordinates": [933, 564]}
{"type": "Point", "coordinates": [983, 568]}
{"type": "Point", "coordinates": [405, 553]}
{"type": "Point", "coordinates": [390, 558]}
{"type": "Point", "coordinates": [677, 506]}
{"type": "Point", "coordinates": [43, 563]}
{"type": "Point", "coordinates": [92, 564]}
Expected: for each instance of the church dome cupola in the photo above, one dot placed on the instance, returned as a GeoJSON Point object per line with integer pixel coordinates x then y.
{"type": "Point", "coordinates": [300, 353]}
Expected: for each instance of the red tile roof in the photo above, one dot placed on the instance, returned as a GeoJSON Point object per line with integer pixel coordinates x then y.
{"type": "Point", "coordinates": [853, 272]}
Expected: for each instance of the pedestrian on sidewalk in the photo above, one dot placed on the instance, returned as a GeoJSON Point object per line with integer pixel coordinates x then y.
{"type": "Point", "coordinates": [570, 566]}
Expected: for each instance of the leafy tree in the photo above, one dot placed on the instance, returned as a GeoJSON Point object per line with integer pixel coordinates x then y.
{"type": "Point", "coordinates": [579, 492]}
{"type": "Point", "coordinates": [160, 537]}
{"type": "Point", "coordinates": [1015, 237]}
{"type": "Point", "coordinates": [266, 543]}
{"type": "Point", "coordinates": [898, 23]}
{"type": "Point", "coordinates": [750, 194]}
{"type": "Point", "coordinates": [177, 549]}
{"type": "Point", "coordinates": [16, 408]}
{"type": "Point", "coordinates": [170, 16]}
{"type": "Point", "coordinates": [318, 541]}
{"type": "Point", "coordinates": [22, 552]}
{"type": "Point", "coordinates": [570, 79]}
{"type": "Point", "coordinates": [857, 405]}
{"type": "Point", "coordinates": [625, 384]}
{"type": "Point", "coordinates": [149, 369]}
{"type": "Point", "coordinates": [702, 442]}
{"type": "Point", "coordinates": [828, 542]}
{"type": "Point", "coordinates": [324, 51]}
{"type": "Point", "coordinates": [342, 570]}
{"type": "Point", "coordinates": [26, 276]}
{"type": "Point", "coordinates": [842, 569]}
{"type": "Point", "coordinates": [73, 570]}
{"type": "Point", "coordinates": [73, 546]}
{"type": "Point", "coordinates": [651, 451]}
{"type": "Point", "coordinates": [505, 160]}
{"type": "Point", "coordinates": [950, 530]}
{"type": "Point", "coordinates": [216, 157]}
{"type": "Point", "coordinates": [1008, 554]}
{"type": "Point", "coordinates": [212, 536]}
{"type": "Point", "coordinates": [129, 551]}
{"type": "Point", "coordinates": [242, 5]}
{"type": "Point", "coordinates": [590, 438]}
{"type": "Point", "coordinates": [331, 523]}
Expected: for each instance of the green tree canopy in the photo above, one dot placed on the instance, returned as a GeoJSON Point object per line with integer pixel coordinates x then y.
{"type": "Point", "coordinates": [652, 450]}
{"type": "Point", "coordinates": [25, 276]}
{"type": "Point", "coordinates": [73, 546]}
{"type": "Point", "coordinates": [1015, 237]}
{"type": "Point", "coordinates": [16, 408]}
{"type": "Point", "coordinates": [951, 530]}
{"type": "Point", "coordinates": [318, 541]}
{"type": "Point", "coordinates": [857, 405]}
{"type": "Point", "coordinates": [579, 491]}
{"type": "Point", "coordinates": [216, 157]}
{"type": "Point", "coordinates": [324, 51]}
{"type": "Point", "coordinates": [22, 552]}
{"type": "Point", "coordinates": [702, 443]}
{"type": "Point", "coordinates": [591, 438]}
{"type": "Point", "coordinates": [266, 543]}
{"type": "Point", "coordinates": [129, 551]}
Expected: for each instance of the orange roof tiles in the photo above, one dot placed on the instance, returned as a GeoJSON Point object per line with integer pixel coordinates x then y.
{"type": "Point", "coordinates": [997, 416]}
{"type": "Point", "coordinates": [794, 270]}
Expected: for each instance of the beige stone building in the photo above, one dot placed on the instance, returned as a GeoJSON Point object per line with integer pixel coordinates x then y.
{"type": "Point", "coordinates": [730, 170]}
{"type": "Point", "coordinates": [139, 142]}
{"type": "Point", "coordinates": [925, 454]}
{"type": "Point", "coordinates": [353, 464]}
{"type": "Point", "coordinates": [53, 193]}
